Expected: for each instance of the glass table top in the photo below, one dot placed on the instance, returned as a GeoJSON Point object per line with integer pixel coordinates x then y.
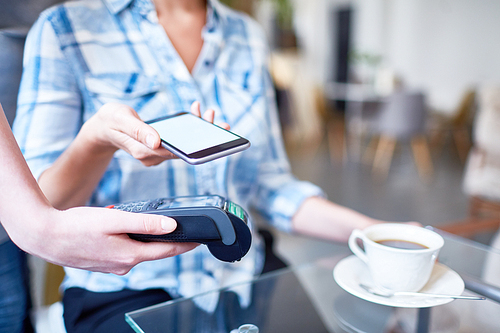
{"type": "Point", "coordinates": [306, 298]}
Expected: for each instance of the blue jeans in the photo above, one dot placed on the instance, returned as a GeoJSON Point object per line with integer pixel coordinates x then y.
{"type": "Point", "coordinates": [15, 301]}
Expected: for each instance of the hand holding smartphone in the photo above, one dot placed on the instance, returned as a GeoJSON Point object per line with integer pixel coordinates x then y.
{"type": "Point", "coordinates": [196, 140]}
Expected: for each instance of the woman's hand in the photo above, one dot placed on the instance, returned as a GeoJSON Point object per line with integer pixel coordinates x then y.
{"type": "Point", "coordinates": [319, 217]}
{"type": "Point", "coordinates": [73, 177]}
{"type": "Point", "coordinates": [117, 126]}
{"type": "Point", "coordinates": [209, 115]}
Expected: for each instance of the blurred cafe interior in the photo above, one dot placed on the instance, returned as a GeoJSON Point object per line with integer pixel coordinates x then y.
{"type": "Point", "coordinates": [391, 106]}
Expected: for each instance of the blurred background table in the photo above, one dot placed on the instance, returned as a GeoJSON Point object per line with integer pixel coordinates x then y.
{"type": "Point", "coordinates": [305, 298]}
{"type": "Point", "coordinates": [359, 99]}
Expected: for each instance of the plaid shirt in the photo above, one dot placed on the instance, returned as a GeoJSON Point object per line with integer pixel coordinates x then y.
{"type": "Point", "coordinates": [83, 54]}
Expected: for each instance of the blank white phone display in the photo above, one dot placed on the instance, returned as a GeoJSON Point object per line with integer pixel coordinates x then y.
{"type": "Point", "coordinates": [191, 134]}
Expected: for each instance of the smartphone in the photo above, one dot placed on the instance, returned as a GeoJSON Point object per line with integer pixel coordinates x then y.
{"type": "Point", "coordinates": [196, 140]}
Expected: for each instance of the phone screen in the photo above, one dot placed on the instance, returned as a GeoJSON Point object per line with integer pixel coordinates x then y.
{"type": "Point", "coordinates": [194, 136]}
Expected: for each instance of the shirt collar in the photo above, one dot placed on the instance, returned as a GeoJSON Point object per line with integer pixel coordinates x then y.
{"type": "Point", "coordinates": [216, 12]}
{"type": "Point", "coordinates": [115, 6]}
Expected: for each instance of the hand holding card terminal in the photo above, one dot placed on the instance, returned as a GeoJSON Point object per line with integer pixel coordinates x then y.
{"type": "Point", "coordinates": [210, 219]}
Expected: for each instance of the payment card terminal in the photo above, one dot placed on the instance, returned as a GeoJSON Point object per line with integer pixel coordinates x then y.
{"type": "Point", "coordinates": [212, 220]}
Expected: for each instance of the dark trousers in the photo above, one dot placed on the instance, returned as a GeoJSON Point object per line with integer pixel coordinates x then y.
{"type": "Point", "coordinates": [86, 311]}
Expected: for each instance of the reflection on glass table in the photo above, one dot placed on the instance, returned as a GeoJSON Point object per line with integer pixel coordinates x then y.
{"type": "Point", "coordinates": [306, 298]}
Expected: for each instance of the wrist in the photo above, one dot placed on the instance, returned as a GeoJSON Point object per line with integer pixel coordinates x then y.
{"type": "Point", "coordinates": [92, 139]}
{"type": "Point", "coordinates": [33, 235]}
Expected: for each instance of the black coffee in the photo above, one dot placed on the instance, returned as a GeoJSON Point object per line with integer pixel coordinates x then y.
{"type": "Point", "coordinates": [402, 244]}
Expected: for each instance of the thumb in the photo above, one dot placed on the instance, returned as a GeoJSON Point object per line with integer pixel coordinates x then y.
{"type": "Point", "coordinates": [129, 123]}
{"type": "Point", "coordinates": [144, 133]}
{"type": "Point", "coordinates": [156, 224]}
{"type": "Point", "coordinates": [150, 224]}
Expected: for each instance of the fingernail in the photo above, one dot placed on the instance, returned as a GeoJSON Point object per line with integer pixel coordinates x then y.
{"type": "Point", "coordinates": [168, 224]}
{"type": "Point", "coordinates": [150, 141]}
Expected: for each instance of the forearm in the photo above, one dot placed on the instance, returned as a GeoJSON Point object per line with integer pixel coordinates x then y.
{"type": "Point", "coordinates": [20, 197]}
{"type": "Point", "coordinates": [321, 218]}
{"type": "Point", "coordinates": [70, 181]}
{"type": "Point", "coordinates": [73, 177]}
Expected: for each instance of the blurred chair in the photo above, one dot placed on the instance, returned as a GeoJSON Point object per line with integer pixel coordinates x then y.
{"type": "Point", "coordinates": [22, 13]}
{"type": "Point", "coordinates": [16, 17]}
{"type": "Point", "coordinates": [461, 124]}
{"type": "Point", "coordinates": [482, 172]}
{"type": "Point", "coordinates": [11, 66]}
{"type": "Point", "coordinates": [458, 125]}
{"type": "Point", "coordinates": [48, 317]}
{"type": "Point", "coordinates": [350, 108]}
{"type": "Point", "coordinates": [401, 118]}
{"type": "Point", "coordinates": [334, 126]}
{"type": "Point", "coordinates": [301, 124]}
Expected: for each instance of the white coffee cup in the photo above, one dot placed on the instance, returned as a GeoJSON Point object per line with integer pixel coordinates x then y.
{"type": "Point", "coordinates": [393, 268]}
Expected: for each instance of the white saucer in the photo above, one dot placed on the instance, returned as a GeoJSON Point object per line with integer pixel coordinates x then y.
{"type": "Point", "coordinates": [351, 271]}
